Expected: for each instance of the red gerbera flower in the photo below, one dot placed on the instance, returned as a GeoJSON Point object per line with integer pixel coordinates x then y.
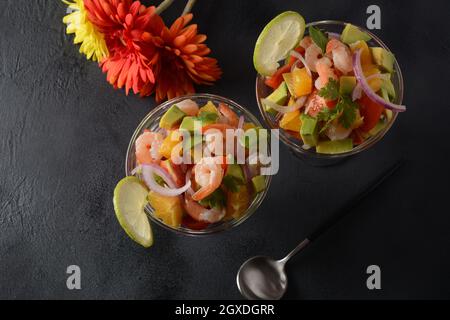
{"type": "Point", "coordinates": [180, 59]}
{"type": "Point", "coordinates": [123, 22]}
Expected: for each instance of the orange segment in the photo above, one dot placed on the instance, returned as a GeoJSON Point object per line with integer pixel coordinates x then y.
{"type": "Point", "coordinates": [168, 209]}
{"type": "Point", "coordinates": [237, 202]}
{"type": "Point", "coordinates": [172, 139]}
{"type": "Point", "coordinates": [302, 82]}
{"type": "Point", "coordinates": [366, 56]}
{"type": "Point", "coordinates": [291, 121]}
{"type": "Point", "coordinates": [369, 70]}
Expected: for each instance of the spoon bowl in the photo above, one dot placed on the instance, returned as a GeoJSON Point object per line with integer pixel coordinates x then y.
{"type": "Point", "coordinates": [262, 278]}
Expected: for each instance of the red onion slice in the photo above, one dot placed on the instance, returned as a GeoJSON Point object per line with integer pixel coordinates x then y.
{"type": "Point", "coordinates": [357, 91]}
{"type": "Point", "coordinates": [241, 122]}
{"type": "Point", "coordinates": [189, 191]}
{"type": "Point", "coordinates": [357, 69]}
{"type": "Point", "coordinates": [297, 55]}
{"type": "Point", "coordinates": [148, 172]}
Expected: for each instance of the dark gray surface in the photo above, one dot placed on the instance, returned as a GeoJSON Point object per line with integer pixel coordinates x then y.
{"type": "Point", "coordinates": [64, 133]}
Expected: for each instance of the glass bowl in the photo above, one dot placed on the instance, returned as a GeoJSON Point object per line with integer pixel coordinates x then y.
{"type": "Point", "coordinates": [151, 122]}
{"type": "Point", "coordinates": [311, 156]}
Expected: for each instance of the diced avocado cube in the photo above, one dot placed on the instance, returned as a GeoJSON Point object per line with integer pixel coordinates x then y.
{"type": "Point", "coordinates": [259, 183]}
{"type": "Point", "coordinates": [389, 114]}
{"type": "Point", "coordinates": [389, 87]}
{"type": "Point", "coordinates": [279, 96]}
{"type": "Point", "coordinates": [378, 127]}
{"type": "Point", "coordinates": [247, 137]}
{"type": "Point", "coordinates": [309, 131]}
{"type": "Point", "coordinates": [172, 117]}
{"type": "Point", "coordinates": [189, 124]}
{"type": "Point", "coordinates": [335, 147]}
{"type": "Point", "coordinates": [351, 34]}
{"type": "Point", "coordinates": [208, 107]}
{"type": "Point", "coordinates": [234, 170]}
{"type": "Point", "coordinates": [384, 94]}
{"type": "Point", "coordinates": [383, 58]}
{"type": "Point", "coordinates": [347, 84]}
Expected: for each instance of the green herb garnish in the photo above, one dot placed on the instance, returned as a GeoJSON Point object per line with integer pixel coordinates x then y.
{"type": "Point", "coordinates": [344, 111]}
{"type": "Point", "coordinates": [214, 200]}
{"type": "Point", "coordinates": [319, 37]}
{"type": "Point", "coordinates": [232, 183]}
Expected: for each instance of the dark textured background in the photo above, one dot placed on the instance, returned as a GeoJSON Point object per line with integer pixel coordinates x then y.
{"type": "Point", "coordinates": [64, 133]}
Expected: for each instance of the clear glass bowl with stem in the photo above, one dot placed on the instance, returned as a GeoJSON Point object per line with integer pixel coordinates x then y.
{"type": "Point", "coordinates": [296, 146]}
{"type": "Point", "coordinates": [151, 122]}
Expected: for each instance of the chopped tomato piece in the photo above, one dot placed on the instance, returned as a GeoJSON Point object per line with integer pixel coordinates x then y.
{"type": "Point", "coordinates": [277, 78]}
{"type": "Point", "coordinates": [371, 111]}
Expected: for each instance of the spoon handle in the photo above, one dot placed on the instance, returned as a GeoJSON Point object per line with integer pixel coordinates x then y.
{"type": "Point", "coordinates": [349, 206]}
{"type": "Point", "coordinates": [298, 248]}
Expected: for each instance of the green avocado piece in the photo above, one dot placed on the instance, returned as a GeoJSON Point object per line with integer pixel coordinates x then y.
{"type": "Point", "coordinates": [172, 117]}
{"type": "Point", "coordinates": [384, 94]}
{"type": "Point", "coordinates": [351, 34]}
{"type": "Point", "coordinates": [244, 140]}
{"type": "Point", "coordinates": [389, 87]}
{"type": "Point", "coordinates": [259, 183]}
{"type": "Point", "coordinates": [234, 170]}
{"type": "Point", "coordinates": [378, 127]}
{"type": "Point", "coordinates": [383, 58]}
{"type": "Point", "coordinates": [279, 96]}
{"type": "Point", "coordinates": [189, 124]}
{"type": "Point", "coordinates": [309, 131]}
{"type": "Point", "coordinates": [209, 107]}
{"type": "Point", "coordinates": [347, 84]}
{"type": "Point", "coordinates": [334, 147]}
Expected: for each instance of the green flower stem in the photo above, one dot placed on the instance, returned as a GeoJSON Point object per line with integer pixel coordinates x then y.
{"type": "Point", "coordinates": [188, 7]}
{"type": "Point", "coordinates": [163, 6]}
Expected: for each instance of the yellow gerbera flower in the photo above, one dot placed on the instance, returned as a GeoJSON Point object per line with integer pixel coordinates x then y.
{"type": "Point", "coordinates": [92, 42]}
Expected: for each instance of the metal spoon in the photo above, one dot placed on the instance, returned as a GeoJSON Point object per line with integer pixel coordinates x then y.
{"type": "Point", "coordinates": [263, 278]}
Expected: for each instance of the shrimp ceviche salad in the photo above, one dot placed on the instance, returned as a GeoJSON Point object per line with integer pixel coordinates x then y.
{"type": "Point", "coordinates": [331, 91]}
{"type": "Point", "coordinates": [187, 172]}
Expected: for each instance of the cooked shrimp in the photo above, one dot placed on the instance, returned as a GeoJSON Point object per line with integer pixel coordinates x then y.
{"type": "Point", "coordinates": [201, 213]}
{"type": "Point", "coordinates": [147, 147]}
{"type": "Point", "coordinates": [315, 104]}
{"type": "Point", "coordinates": [230, 115]}
{"type": "Point", "coordinates": [342, 57]}
{"type": "Point", "coordinates": [337, 132]}
{"type": "Point", "coordinates": [208, 174]}
{"type": "Point", "coordinates": [188, 106]}
{"type": "Point", "coordinates": [312, 54]}
{"type": "Point", "coordinates": [306, 42]}
{"type": "Point", "coordinates": [214, 139]}
{"type": "Point", "coordinates": [325, 71]}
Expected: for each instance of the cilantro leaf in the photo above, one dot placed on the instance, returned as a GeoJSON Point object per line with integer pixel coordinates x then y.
{"type": "Point", "coordinates": [214, 200]}
{"type": "Point", "coordinates": [319, 37]}
{"type": "Point", "coordinates": [348, 115]}
{"type": "Point", "coordinates": [330, 91]}
{"type": "Point", "coordinates": [345, 109]}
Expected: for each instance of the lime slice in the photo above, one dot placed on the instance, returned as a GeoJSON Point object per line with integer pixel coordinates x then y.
{"type": "Point", "coordinates": [130, 198]}
{"type": "Point", "coordinates": [277, 39]}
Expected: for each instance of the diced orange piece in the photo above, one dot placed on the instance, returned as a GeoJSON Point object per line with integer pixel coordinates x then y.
{"type": "Point", "coordinates": [370, 70]}
{"type": "Point", "coordinates": [366, 56]}
{"type": "Point", "coordinates": [237, 202]}
{"type": "Point", "coordinates": [291, 121]}
{"type": "Point", "coordinates": [168, 209]}
{"type": "Point", "coordinates": [302, 82]}
{"type": "Point", "coordinates": [172, 139]}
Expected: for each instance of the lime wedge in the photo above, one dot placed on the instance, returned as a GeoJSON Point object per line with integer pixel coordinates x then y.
{"type": "Point", "coordinates": [130, 198]}
{"type": "Point", "coordinates": [277, 39]}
